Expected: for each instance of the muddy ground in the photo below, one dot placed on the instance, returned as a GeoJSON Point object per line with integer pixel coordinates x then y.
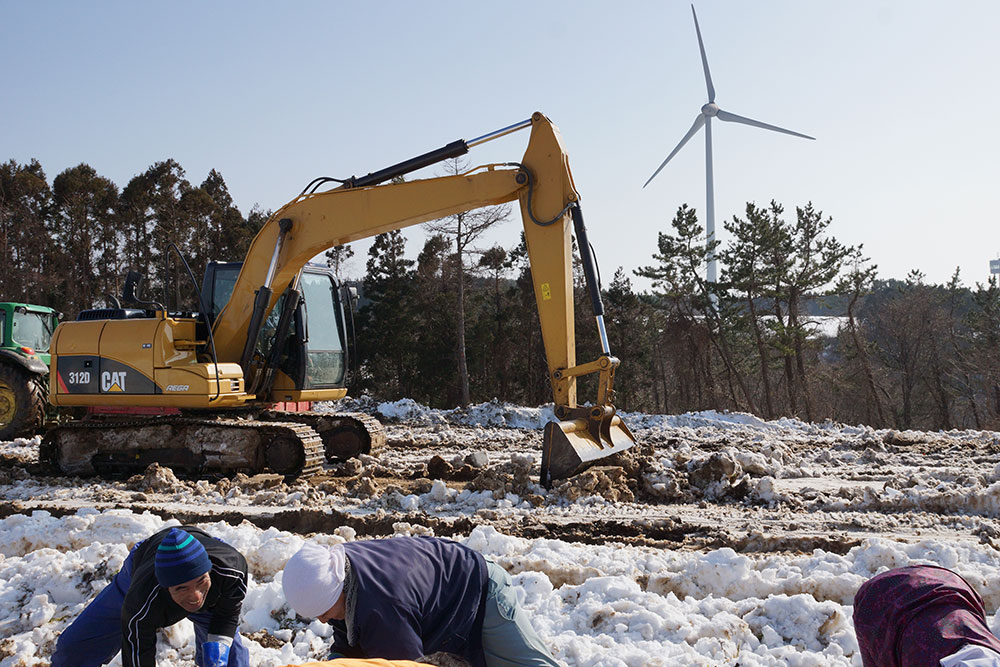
{"type": "Point", "coordinates": [707, 483]}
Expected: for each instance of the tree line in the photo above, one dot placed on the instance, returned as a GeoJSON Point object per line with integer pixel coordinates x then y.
{"type": "Point", "coordinates": [459, 324]}
{"type": "Point", "coordinates": [70, 243]}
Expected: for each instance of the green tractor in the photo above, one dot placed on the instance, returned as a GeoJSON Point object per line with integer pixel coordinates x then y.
{"type": "Point", "coordinates": [25, 332]}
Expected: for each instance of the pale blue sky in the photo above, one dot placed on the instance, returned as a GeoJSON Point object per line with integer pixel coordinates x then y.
{"type": "Point", "coordinates": [900, 96]}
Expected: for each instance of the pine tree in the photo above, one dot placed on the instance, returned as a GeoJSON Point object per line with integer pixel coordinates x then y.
{"type": "Point", "coordinates": [818, 259]}
{"type": "Point", "coordinates": [84, 229]}
{"type": "Point", "coordinates": [386, 326]}
{"type": "Point", "coordinates": [200, 214]}
{"type": "Point", "coordinates": [153, 217]}
{"type": "Point", "coordinates": [30, 272]}
{"type": "Point", "coordinates": [690, 301]}
{"type": "Point", "coordinates": [749, 269]}
{"type": "Point", "coordinates": [230, 234]}
{"type": "Point", "coordinates": [435, 323]}
{"type": "Point", "coordinates": [629, 325]}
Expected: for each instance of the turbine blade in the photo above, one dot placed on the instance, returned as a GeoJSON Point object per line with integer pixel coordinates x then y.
{"type": "Point", "coordinates": [733, 118]}
{"type": "Point", "coordinates": [698, 122]}
{"type": "Point", "coordinates": [704, 58]}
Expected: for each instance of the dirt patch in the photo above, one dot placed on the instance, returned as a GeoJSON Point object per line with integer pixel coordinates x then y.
{"type": "Point", "coordinates": [679, 489]}
{"type": "Point", "coordinates": [608, 482]}
{"type": "Point", "coordinates": [266, 639]}
{"type": "Point", "coordinates": [156, 479]}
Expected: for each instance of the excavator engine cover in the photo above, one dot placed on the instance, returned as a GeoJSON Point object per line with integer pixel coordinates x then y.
{"type": "Point", "coordinates": [582, 437]}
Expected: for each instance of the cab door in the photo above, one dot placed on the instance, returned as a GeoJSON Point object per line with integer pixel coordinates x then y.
{"type": "Point", "coordinates": [323, 321]}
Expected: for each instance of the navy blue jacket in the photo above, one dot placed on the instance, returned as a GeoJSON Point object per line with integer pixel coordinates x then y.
{"type": "Point", "coordinates": [148, 606]}
{"type": "Point", "coordinates": [415, 596]}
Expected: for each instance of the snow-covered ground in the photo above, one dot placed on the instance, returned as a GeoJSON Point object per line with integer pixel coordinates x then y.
{"type": "Point", "coordinates": [721, 540]}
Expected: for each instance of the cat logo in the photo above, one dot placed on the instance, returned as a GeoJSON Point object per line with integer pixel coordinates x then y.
{"type": "Point", "coordinates": [113, 381]}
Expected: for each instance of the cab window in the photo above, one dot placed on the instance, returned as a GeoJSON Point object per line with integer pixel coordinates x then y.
{"type": "Point", "coordinates": [32, 330]}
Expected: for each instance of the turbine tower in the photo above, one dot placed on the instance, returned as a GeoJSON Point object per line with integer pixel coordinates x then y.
{"type": "Point", "coordinates": [708, 112]}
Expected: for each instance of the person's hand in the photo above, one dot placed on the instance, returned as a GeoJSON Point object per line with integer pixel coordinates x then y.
{"type": "Point", "coordinates": [215, 654]}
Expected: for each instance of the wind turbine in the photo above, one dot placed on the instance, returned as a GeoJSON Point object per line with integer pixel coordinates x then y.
{"type": "Point", "coordinates": [708, 112]}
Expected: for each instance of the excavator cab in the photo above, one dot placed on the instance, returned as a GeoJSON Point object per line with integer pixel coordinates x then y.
{"type": "Point", "coordinates": [311, 355]}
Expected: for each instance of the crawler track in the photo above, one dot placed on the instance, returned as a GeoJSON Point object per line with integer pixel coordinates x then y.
{"type": "Point", "coordinates": [345, 435]}
{"type": "Point", "coordinates": [191, 447]}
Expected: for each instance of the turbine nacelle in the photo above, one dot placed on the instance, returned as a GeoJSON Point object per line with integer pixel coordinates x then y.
{"type": "Point", "coordinates": [711, 109]}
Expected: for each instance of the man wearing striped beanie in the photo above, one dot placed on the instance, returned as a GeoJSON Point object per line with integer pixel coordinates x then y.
{"type": "Point", "coordinates": [177, 573]}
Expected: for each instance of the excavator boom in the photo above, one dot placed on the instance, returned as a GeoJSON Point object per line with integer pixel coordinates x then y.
{"type": "Point", "coordinates": [323, 220]}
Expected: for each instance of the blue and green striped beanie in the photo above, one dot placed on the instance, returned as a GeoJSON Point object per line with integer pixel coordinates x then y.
{"type": "Point", "coordinates": [180, 558]}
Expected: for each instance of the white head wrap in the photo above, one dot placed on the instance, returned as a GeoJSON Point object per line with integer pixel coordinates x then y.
{"type": "Point", "coordinates": [313, 579]}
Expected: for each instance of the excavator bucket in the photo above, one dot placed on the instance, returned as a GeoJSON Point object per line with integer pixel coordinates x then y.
{"type": "Point", "coordinates": [586, 436]}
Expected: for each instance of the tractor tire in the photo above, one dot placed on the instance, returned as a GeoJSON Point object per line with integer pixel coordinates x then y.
{"type": "Point", "coordinates": [22, 402]}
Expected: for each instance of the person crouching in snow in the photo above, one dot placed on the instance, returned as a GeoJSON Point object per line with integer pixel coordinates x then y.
{"type": "Point", "coordinates": [922, 616]}
{"type": "Point", "coordinates": [404, 597]}
{"type": "Point", "coordinates": [176, 573]}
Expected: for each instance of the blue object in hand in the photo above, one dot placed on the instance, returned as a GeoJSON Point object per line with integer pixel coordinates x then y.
{"type": "Point", "coordinates": [215, 654]}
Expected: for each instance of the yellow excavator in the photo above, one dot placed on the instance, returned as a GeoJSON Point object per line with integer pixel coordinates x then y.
{"type": "Point", "coordinates": [271, 330]}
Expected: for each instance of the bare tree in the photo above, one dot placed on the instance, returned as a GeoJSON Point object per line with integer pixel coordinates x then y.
{"type": "Point", "coordinates": [903, 326]}
{"type": "Point", "coordinates": [465, 228]}
{"type": "Point", "coordinates": [336, 258]}
{"type": "Point", "coordinates": [858, 281]}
